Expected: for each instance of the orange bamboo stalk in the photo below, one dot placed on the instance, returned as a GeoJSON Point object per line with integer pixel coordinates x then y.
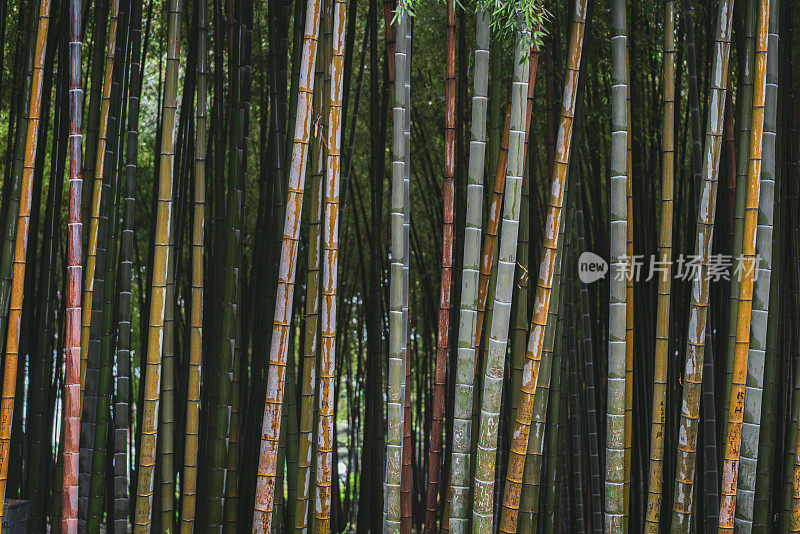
{"type": "Point", "coordinates": [733, 441]}
{"type": "Point", "coordinates": [20, 254]}
{"type": "Point", "coordinates": [287, 270]}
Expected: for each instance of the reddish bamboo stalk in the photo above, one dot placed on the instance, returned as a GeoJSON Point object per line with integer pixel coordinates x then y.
{"type": "Point", "coordinates": [72, 379]}
{"type": "Point", "coordinates": [445, 305]}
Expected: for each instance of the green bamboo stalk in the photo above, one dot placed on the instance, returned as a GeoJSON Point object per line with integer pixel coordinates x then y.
{"type": "Point", "coordinates": [461, 458]}
{"type": "Point", "coordinates": [555, 432]}
{"type": "Point", "coordinates": [124, 297]}
{"type": "Point", "coordinates": [398, 248]}
{"type": "Point", "coordinates": [754, 388]}
{"type": "Point", "coordinates": [484, 479]}
{"type": "Point", "coordinates": [683, 500]}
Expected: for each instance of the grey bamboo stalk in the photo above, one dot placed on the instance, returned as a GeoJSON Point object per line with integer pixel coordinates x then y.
{"type": "Point", "coordinates": [751, 424]}
{"type": "Point", "coordinates": [192, 435]}
{"type": "Point", "coordinates": [485, 464]}
{"type": "Point", "coordinates": [397, 334]}
{"type": "Point", "coordinates": [615, 511]}
{"type": "Point", "coordinates": [152, 363]}
{"type": "Point", "coordinates": [287, 270]}
{"type": "Point", "coordinates": [659, 410]}
{"type": "Point", "coordinates": [461, 459]}
{"type": "Point", "coordinates": [686, 455]}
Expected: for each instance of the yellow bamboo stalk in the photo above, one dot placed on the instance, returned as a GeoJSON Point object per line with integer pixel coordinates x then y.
{"type": "Point", "coordinates": [158, 299]}
{"type": "Point", "coordinates": [20, 252]}
{"type": "Point", "coordinates": [97, 191]}
{"type": "Point", "coordinates": [730, 465]}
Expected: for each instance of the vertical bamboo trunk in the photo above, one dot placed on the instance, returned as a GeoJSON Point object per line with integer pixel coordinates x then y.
{"type": "Point", "coordinates": [124, 302]}
{"type": "Point", "coordinates": [730, 466]}
{"type": "Point", "coordinates": [683, 500]}
{"type": "Point", "coordinates": [547, 267]}
{"type": "Point", "coordinates": [745, 102]}
{"type": "Point", "coordinates": [270, 427]}
{"type": "Point", "coordinates": [312, 307]}
{"type": "Point", "coordinates": [461, 460]}
{"type": "Point", "coordinates": [191, 440]}
{"type": "Point", "coordinates": [442, 340]}
{"type": "Point", "coordinates": [326, 462]}
{"type": "Point", "coordinates": [660, 362]}
{"type": "Point", "coordinates": [754, 385]}
{"type": "Point", "coordinates": [484, 479]}
{"type": "Point", "coordinates": [397, 335]}
{"type": "Point", "coordinates": [616, 465]}
{"type": "Point", "coordinates": [97, 188]}
{"type": "Point", "coordinates": [20, 252]}
{"type": "Point", "coordinates": [163, 238]}
{"type": "Point", "coordinates": [72, 386]}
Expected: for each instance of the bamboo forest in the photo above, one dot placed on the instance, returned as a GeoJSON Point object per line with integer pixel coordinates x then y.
{"type": "Point", "coordinates": [400, 266]}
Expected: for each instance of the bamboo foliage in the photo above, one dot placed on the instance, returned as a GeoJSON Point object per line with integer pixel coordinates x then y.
{"type": "Point", "coordinates": [461, 458]}
{"type": "Point", "coordinates": [152, 368]}
{"type": "Point", "coordinates": [686, 454]}
{"type": "Point", "coordinates": [270, 427]}
{"type": "Point", "coordinates": [730, 466]}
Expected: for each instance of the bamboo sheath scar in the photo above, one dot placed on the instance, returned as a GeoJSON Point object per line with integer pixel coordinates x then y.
{"type": "Point", "coordinates": [143, 513]}
{"type": "Point", "coordinates": [72, 380]}
{"type": "Point", "coordinates": [730, 466]}
{"type": "Point", "coordinates": [20, 253]}
{"type": "Point", "coordinates": [287, 270]}
{"type": "Point", "coordinates": [544, 285]}
{"type": "Point", "coordinates": [683, 499]}
{"type": "Point", "coordinates": [97, 188]}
